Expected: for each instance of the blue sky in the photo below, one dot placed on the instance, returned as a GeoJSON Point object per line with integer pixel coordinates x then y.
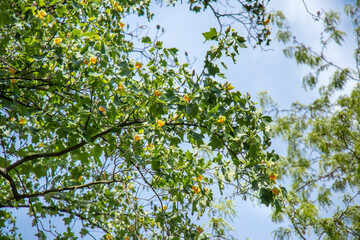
{"type": "Point", "coordinates": [256, 70]}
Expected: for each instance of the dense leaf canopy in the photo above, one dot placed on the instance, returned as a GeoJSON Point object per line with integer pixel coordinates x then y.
{"type": "Point", "coordinates": [91, 132]}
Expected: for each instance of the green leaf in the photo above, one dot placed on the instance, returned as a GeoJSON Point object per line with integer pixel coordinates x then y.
{"type": "Point", "coordinates": [173, 51]}
{"type": "Point", "coordinates": [211, 35]}
{"type": "Point", "coordinates": [76, 32]}
{"type": "Point", "coordinates": [155, 164]}
{"type": "Point", "coordinates": [41, 3]}
{"type": "Point", "coordinates": [191, 110]}
{"type": "Point", "coordinates": [61, 9]}
{"type": "Point", "coordinates": [266, 196]}
{"type": "Point", "coordinates": [211, 68]}
{"type": "Point", "coordinates": [5, 18]}
{"type": "Point", "coordinates": [196, 9]}
{"type": "Point", "coordinates": [146, 40]}
{"type": "Point", "coordinates": [215, 142]}
{"type": "Point", "coordinates": [41, 235]}
{"type": "Point", "coordinates": [39, 171]}
{"type": "Point", "coordinates": [83, 232]}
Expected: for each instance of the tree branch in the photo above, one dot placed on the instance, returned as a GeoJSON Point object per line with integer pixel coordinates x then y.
{"type": "Point", "coordinates": [14, 190]}
{"type": "Point", "coordinates": [12, 100]}
{"type": "Point", "coordinates": [330, 174]}
{"type": "Point", "coordinates": [67, 150]}
{"type": "Point", "coordinates": [42, 193]}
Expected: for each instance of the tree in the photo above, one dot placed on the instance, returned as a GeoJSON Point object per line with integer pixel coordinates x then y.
{"type": "Point", "coordinates": [91, 133]}
{"type": "Point", "coordinates": [323, 158]}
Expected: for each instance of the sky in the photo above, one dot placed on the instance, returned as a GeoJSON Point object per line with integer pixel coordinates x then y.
{"type": "Point", "coordinates": [256, 70]}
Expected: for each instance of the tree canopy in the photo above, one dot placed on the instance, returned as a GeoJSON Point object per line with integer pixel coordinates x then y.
{"type": "Point", "coordinates": [323, 158]}
{"type": "Point", "coordinates": [105, 131]}
{"type": "Point", "coordinates": [94, 134]}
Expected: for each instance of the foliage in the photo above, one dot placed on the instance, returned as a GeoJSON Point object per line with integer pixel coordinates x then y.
{"type": "Point", "coordinates": [323, 158]}
{"type": "Point", "coordinates": [94, 134]}
{"type": "Point", "coordinates": [223, 210]}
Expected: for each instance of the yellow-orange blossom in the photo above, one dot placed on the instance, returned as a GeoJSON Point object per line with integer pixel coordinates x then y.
{"type": "Point", "coordinates": [160, 123]}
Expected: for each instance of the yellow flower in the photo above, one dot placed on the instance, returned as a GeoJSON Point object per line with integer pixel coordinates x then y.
{"type": "Point", "coordinates": [160, 123]}
{"type": "Point", "coordinates": [80, 178]}
{"type": "Point", "coordinates": [93, 60]}
{"type": "Point", "coordinates": [57, 40]}
{"type": "Point", "coordinates": [273, 176]}
{"type": "Point", "coordinates": [118, 7]}
{"type": "Point", "coordinates": [275, 191]}
{"type": "Point", "coordinates": [200, 178]}
{"type": "Point", "coordinates": [86, 62]}
{"type": "Point", "coordinates": [164, 207]}
{"type": "Point", "coordinates": [228, 86]}
{"type": "Point", "coordinates": [40, 144]}
{"type": "Point", "coordinates": [199, 230]}
{"type": "Point", "coordinates": [120, 86]}
{"type": "Point", "coordinates": [265, 163]}
{"type": "Point", "coordinates": [267, 21]}
{"type": "Point", "coordinates": [187, 98]}
{"type": "Point", "coordinates": [221, 119]}
{"type": "Point", "coordinates": [22, 121]}
{"type": "Point", "coordinates": [126, 238]}
{"type": "Point", "coordinates": [137, 137]}
{"type": "Point", "coordinates": [121, 24]}
{"type": "Point", "coordinates": [196, 189]}
{"type": "Point", "coordinates": [42, 14]}
{"type": "Point", "coordinates": [138, 65]}
{"type": "Point", "coordinates": [149, 147]}
{"type": "Point", "coordinates": [206, 190]}
{"type": "Point", "coordinates": [101, 109]}
{"type": "Point", "coordinates": [12, 70]}
{"type": "Point", "coordinates": [158, 93]}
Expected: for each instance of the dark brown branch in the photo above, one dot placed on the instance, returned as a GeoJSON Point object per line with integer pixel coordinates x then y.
{"type": "Point", "coordinates": [55, 190]}
{"type": "Point", "coordinates": [185, 124]}
{"type": "Point", "coordinates": [14, 190]}
{"type": "Point", "coordinates": [72, 148]}
{"type": "Point", "coordinates": [46, 81]}
{"type": "Point", "coordinates": [12, 100]}
{"type": "Point", "coordinates": [26, 78]}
